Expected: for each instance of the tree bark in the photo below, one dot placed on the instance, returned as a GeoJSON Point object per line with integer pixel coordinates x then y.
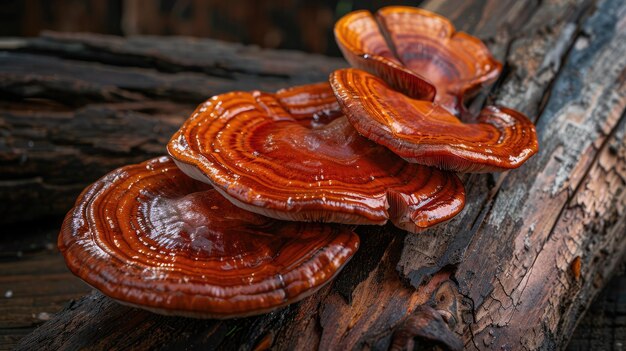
{"type": "Point", "coordinates": [515, 270]}
{"type": "Point", "coordinates": [75, 107]}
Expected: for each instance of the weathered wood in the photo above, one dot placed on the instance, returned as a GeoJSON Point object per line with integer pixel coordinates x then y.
{"type": "Point", "coordinates": [70, 122]}
{"type": "Point", "coordinates": [604, 326]}
{"type": "Point", "coordinates": [52, 155]}
{"type": "Point", "coordinates": [177, 54]}
{"type": "Point", "coordinates": [526, 59]}
{"type": "Point", "coordinates": [34, 284]}
{"type": "Point", "coordinates": [514, 271]}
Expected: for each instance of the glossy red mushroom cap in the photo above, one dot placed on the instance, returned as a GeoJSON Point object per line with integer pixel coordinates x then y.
{"type": "Point", "coordinates": [149, 236]}
{"type": "Point", "coordinates": [417, 52]}
{"type": "Point", "coordinates": [425, 133]}
{"type": "Point", "coordinates": [291, 155]}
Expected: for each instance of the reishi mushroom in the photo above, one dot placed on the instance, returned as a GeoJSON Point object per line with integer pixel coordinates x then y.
{"type": "Point", "coordinates": [175, 235]}
{"type": "Point", "coordinates": [149, 236]}
{"type": "Point", "coordinates": [291, 155]}
{"type": "Point", "coordinates": [417, 52]}
{"type": "Point", "coordinates": [424, 132]}
{"type": "Point", "coordinates": [364, 46]}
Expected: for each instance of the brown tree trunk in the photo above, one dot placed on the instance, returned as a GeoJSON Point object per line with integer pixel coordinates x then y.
{"type": "Point", "coordinates": [515, 270]}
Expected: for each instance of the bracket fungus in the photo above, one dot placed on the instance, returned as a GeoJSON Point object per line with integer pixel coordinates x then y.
{"type": "Point", "coordinates": [292, 155]}
{"type": "Point", "coordinates": [149, 236]}
{"type": "Point", "coordinates": [417, 52]}
{"type": "Point", "coordinates": [423, 132]}
{"type": "Point", "coordinates": [200, 234]}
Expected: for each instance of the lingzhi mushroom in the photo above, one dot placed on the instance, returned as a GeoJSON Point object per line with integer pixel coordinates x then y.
{"type": "Point", "coordinates": [149, 236]}
{"type": "Point", "coordinates": [426, 133]}
{"type": "Point", "coordinates": [219, 230]}
{"type": "Point", "coordinates": [410, 53]}
{"type": "Point", "coordinates": [417, 52]}
{"type": "Point", "coordinates": [292, 156]}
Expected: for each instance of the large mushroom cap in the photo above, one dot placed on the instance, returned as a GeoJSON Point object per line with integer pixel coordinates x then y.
{"type": "Point", "coordinates": [149, 236]}
{"type": "Point", "coordinates": [424, 132]}
{"type": "Point", "coordinates": [413, 50]}
{"type": "Point", "coordinates": [290, 155]}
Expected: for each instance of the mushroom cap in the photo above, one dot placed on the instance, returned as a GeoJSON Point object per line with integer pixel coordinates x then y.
{"type": "Point", "coordinates": [292, 155]}
{"type": "Point", "coordinates": [149, 236]}
{"type": "Point", "coordinates": [424, 132]}
{"type": "Point", "coordinates": [415, 50]}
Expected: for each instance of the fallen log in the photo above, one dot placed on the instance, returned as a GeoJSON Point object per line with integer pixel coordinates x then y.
{"type": "Point", "coordinates": [515, 270]}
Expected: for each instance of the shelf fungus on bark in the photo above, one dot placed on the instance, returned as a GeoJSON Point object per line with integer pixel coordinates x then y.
{"type": "Point", "coordinates": [417, 52]}
{"type": "Point", "coordinates": [424, 132]}
{"type": "Point", "coordinates": [292, 155]}
{"type": "Point", "coordinates": [149, 236]}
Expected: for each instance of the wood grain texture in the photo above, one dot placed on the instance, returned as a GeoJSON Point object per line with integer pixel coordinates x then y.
{"type": "Point", "coordinates": [500, 273]}
{"type": "Point", "coordinates": [34, 283]}
{"type": "Point", "coordinates": [175, 54]}
{"type": "Point", "coordinates": [603, 327]}
{"type": "Point", "coordinates": [88, 118]}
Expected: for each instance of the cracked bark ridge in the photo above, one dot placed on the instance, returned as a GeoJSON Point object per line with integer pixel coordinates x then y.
{"type": "Point", "coordinates": [524, 87]}
{"type": "Point", "coordinates": [549, 230]}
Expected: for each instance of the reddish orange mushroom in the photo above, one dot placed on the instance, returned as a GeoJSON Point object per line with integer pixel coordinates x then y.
{"type": "Point", "coordinates": [423, 132]}
{"type": "Point", "coordinates": [149, 236]}
{"type": "Point", "coordinates": [364, 46]}
{"type": "Point", "coordinates": [414, 51]}
{"type": "Point", "coordinates": [291, 155]}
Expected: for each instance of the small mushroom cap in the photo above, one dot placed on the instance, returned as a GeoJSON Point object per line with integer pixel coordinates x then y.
{"type": "Point", "coordinates": [149, 236]}
{"type": "Point", "coordinates": [364, 46]}
{"type": "Point", "coordinates": [426, 133]}
{"type": "Point", "coordinates": [291, 155]}
{"type": "Point", "coordinates": [404, 45]}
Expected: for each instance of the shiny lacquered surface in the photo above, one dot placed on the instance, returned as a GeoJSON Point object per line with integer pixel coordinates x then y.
{"type": "Point", "coordinates": [291, 155]}
{"type": "Point", "coordinates": [149, 236]}
{"type": "Point", "coordinates": [426, 133]}
{"type": "Point", "coordinates": [364, 46]}
{"type": "Point", "coordinates": [415, 50]}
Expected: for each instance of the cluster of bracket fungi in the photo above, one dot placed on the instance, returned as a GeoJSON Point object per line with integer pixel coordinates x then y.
{"type": "Point", "coordinates": [255, 207]}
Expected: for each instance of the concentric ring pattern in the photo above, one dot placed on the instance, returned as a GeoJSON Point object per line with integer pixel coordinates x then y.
{"type": "Point", "coordinates": [291, 155]}
{"type": "Point", "coordinates": [149, 236]}
{"type": "Point", "coordinates": [425, 133]}
{"type": "Point", "coordinates": [406, 45]}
